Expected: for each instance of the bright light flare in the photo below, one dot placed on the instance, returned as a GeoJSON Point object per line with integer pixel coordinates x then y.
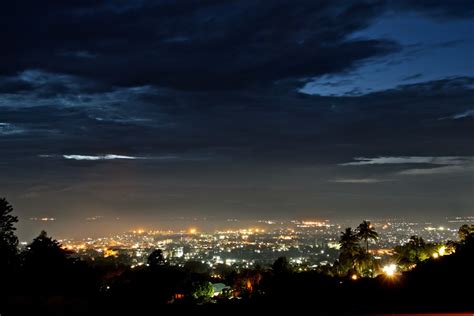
{"type": "Point", "coordinates": [390, 269]}
{"type": "Point", "coordinates": [442, 251]}
{"type": "Point", "coordinates": [354, 277]}
{"type": "Point", "coordinates": [192, 230]}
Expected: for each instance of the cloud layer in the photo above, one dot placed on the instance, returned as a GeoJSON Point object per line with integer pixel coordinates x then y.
{"type": "Point", "coordinates": [101, 157]}
{"type": "Point", "coordinates": [447, 160]}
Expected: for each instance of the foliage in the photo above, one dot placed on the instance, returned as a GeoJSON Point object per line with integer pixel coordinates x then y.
{"type": "Point", "coordinates": [352, 258]}
{"type": "Point", "coordinates": [413, 252]}
{"type": "Point", "coordinates": [45, 252]}
{"type": "Point", "coordinates": [156, 258]}
{"type": "Point", "coordinates": [8, 239]}
{"type": "Point", "coordinates": [282, 265]}
{"type": "Point", "coordinates": [225, 273]}
{"type": "Point", "coordinates": [50, 269]}
{"type": "Point", "coordinates": [349, 242]}
{"type": "Point", "coordinates": [202, 291]}
{"type": "Point", "coordinates": [349, 248]}
{"type": "Point", "coordinates": [366, 232]}
{"type": "Point", "coordinates": [465, 232]}
{"type": "Point", "coordinates": [197, 267]}
{"type": "Point", "coordinates": [364, 263]}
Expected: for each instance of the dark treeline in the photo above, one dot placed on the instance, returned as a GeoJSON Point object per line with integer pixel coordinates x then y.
{"type": "Point", "coordinates": [44, 278]}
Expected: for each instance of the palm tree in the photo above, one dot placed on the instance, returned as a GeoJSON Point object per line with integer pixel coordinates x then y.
{"type": "Point", "coordinates": [349, 242]}
{"type": "Point", "coordinates": [365, 231]}
{"type": "Point", "coordinates": [363, 262]}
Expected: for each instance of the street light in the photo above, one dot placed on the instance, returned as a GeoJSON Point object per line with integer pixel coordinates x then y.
{"type": "Point", "coordinates": [390, 269]}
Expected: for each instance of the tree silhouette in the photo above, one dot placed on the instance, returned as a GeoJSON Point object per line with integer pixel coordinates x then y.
{"type": "Point", "coordinates": [156, 258]}
{"type": "Point", "coordinates": [226, 273]}
{"type": "Point", "coordinates": [465, 231]}
{"type": "Point", "coordinates": [45, 252]}
{"type": "Point", "coordinates": [194, 266]}
{"type": "Point", "coordinates": [349, 242]}
{"type": "Point", "coordinates": [8, 239]}
{"type": "Point", "coordinates": [365, 231]}
{"type": "Point", "coordinates": [51, 270]}
{"type": "Point", "coordinates": [364, 263]}
{"type": "Point", "coordinates": [418, 245]}
{"type": "Point", "coordinates": [281, 265]}
{"type": "Point", "coordinates": [414, 251]}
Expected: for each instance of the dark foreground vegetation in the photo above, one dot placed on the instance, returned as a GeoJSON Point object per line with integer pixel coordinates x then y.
{"type": "Point", "coordinates": [44, 278]}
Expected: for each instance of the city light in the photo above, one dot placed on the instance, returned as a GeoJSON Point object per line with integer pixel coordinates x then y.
{"type": "Point", "coordinates": [244, 246]}
{"type": "Point", "coordinates": [110, 253]}
{"type": "Point", "coordinates": [390, 269]}
{"type": "Point", "coordinates": [442, 251]}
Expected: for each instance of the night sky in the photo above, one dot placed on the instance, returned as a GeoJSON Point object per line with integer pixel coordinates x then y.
{"type": "Point", "coordinates": [156, 110]}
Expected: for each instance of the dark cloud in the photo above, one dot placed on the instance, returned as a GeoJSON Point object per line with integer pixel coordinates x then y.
{"type": "Point", "coordinates": [442, 10]}
{"type": "Point", "coordinates": [192, 45]}
{"type": "Point", "coordinates": [442, 87]}
{"type": "Point", "coordinates": [276, 124]}
{"type": "Point", "coordinates": [14, 85]}
{"type": "Point", "coordinates": [197, 45]}
{"type": "Point", "coordinates": [412, 77]}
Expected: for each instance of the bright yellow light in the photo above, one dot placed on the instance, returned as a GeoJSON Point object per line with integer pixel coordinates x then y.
{"type": "Point", "coordinates": [390, 269]}
{"type": "Point", "coordinates": [354, 277]}
{"type": "Point", "coordinates": [442, 251]}
{"type": "Point", "coordinates": [192, 230]}
{"type": "Point", "coordinates": [435, 255]}
{"type": "Point", "coordinates": [110, 253]}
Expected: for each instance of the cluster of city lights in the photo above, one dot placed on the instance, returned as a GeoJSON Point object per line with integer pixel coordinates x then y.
{"type": "Point", "coordinates": [43, 219]}
{"type": "Point", "coordinates": [311, 243]}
